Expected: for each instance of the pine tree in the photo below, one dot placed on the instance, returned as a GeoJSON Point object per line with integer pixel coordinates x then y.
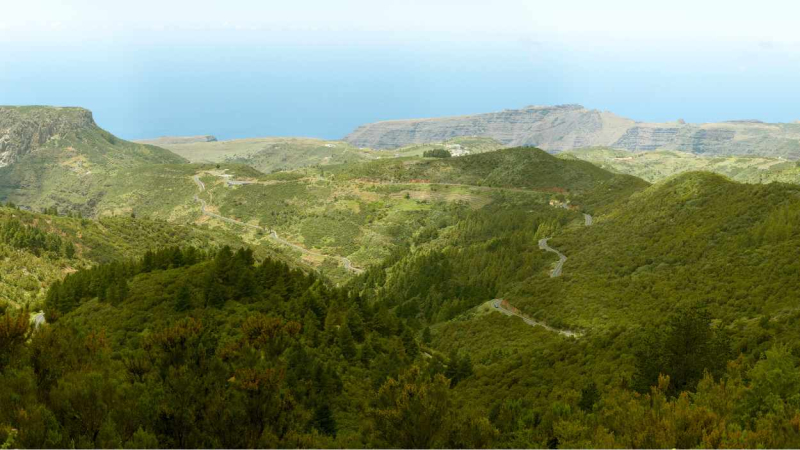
{"type": "Point", "coordinates": [589, 396]}
{"type": "Point", "coordinates": [465, 367]}
{"type": "Point", "coordinates": [347, 343]}
{"type": "Point", "coordinates": [117, 291]}
{"type": "Point", "coordinates": [183, 299]}
{"type": "Point", "coordinates": [214, 292]}
{"type": "Point", "coordinates": [426, 335]}
{"type": "Point", "coordinates": [123, 289]}
{"type": "Point", "coordinates": [176, 257]}
{"type": "Point", "coordinates": [148, 262]}
{"type": "Point", "coordinates": [323, 419]}
{"type": "Point", "coordinates": [367, 353]}
{"type": "Point", "coordinates": [356, 325]}
{"type": "Point", "coordinates": [410, 344]}
{"type": "Point", "coordinates": [279, 288]}
{"type": "Point", "coordinates": [458, 367]}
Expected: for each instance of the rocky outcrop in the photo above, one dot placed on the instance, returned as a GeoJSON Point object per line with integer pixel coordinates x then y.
{"type": "Point", "coordinates": [548, 127]}
{"type": "Point", "coordinates": [177, 140]}
{"type": "Point", "coordinates": [24, 129]}
{"type": "Point", "coordinates": [559, 128]}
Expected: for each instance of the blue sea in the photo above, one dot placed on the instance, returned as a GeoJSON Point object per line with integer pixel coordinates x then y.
{"type": "Point", "coordinates": [250, 86]}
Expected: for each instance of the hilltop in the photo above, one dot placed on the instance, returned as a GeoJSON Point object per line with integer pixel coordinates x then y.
{"type": "Point", "coordinates": [26, 129]}
{"type": "Point", "coordinates": [68, 133]}
{"type": "Point", "coordinates": [523, 167]}
{"type": "Point", "coordinates": [60, 157]}
{"type": "Point", "coordinates": [565, 127]}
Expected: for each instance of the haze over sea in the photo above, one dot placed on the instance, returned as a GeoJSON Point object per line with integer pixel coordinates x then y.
{"type": "Point", "coordinates": [149, 79]}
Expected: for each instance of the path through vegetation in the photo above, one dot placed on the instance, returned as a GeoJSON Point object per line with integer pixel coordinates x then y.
{"type": "Point", "coordinates": [505, 308]}
{"type": "Point", "coordinates": [348, 265]}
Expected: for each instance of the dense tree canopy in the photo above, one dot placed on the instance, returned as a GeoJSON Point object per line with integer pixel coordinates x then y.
{"type": "Point", "coordinates": [683, 296]}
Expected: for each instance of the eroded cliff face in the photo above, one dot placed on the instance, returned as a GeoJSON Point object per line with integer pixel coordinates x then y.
{"type": "Point", "coordinates": [558, 128]}
{"type": "Point", "coordinates": [24, 129]}
{"type": "Point", "coordinates": [547, 127]}
{"type": "Point", "coordinates": [725, 138]}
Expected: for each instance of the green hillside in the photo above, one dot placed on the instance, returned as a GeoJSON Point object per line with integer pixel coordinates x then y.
{"type": "Point", "coordinates": [694, 254]}
{"type": "Point", "coordinates": [657, 165]}
{"type": "Point", "coordinates": [506, 298]}
{"type": "Point", "coordinates": [270, 154]}
{"type": "Point", "coordinates": [522, 168]}
{"type": "Point", "coordinates": [265, 355]}
{"type": "Point", "coordinates": [690, 278]}
{"type": "Point", "coordinates": [60, 157]}
{"type": "Point", "coordinates": [276, 153]}
{"type": "Point", "coordinates": [38, 249]}
{"type": "Point", "coordinates": [695, 237]}
{"type": "Point", "coordinates": [365, 211]}
{"type": "Point", "coordinates": [337, 212]}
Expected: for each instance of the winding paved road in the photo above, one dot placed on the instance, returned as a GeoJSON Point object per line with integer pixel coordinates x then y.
{"type": "Point", "coordinates": [348, 265]}
{"type": "Point", "coordinates": [499, 306]}
{"type": "Point", "coordinates": [498, 303]}
{"type": "Point", "coordinates": [561, 258]}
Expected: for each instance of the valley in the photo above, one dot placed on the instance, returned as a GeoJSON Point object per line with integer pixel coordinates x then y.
{"type": "Point", "coordinates": [468, 292]}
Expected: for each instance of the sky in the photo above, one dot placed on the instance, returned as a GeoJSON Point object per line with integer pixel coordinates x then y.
{"type": "Point", "coordinates": [246, 68]}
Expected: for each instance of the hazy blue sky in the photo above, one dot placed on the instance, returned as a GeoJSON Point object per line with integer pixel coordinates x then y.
{"type": "Point", "coordinates": [243, 68]}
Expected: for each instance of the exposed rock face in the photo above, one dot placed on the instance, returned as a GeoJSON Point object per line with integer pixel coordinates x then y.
{"type": "Point", "coordinates": [726, 138]}
{"type": "Point", "coordinates": [558, 128]}
{"type": "Point", "coordinates": [175, 140]}
{"type": "Point", "coordinates": [550, 128]}
{"type": "Point", "coordinates": [24, 129]}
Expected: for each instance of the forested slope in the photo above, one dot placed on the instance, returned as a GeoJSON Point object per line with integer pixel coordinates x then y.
{"type": "Point", "coordinates": [37, 249]}
{"type": "Point", "coordinates": [200, 346]}
{"type": "Point", "coordinates": [682, 294]}
{"type": "Point", "coordinates": [685, 287]}
{"type": "Point", "coordinates": [696, 237]}
{"type": "Point", "coordinates": [216, 350]}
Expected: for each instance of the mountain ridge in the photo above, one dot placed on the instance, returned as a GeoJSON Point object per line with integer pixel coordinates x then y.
{"type": "Point", "coordinates": [565, 127]}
